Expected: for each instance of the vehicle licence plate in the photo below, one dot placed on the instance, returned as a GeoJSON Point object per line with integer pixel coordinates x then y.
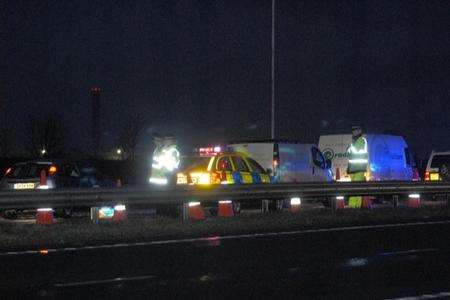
{"type": "Point", "coordinates": [24, 186]}
{"type": "Point", "coordinates": [434, 176]}
{"type": "Point", "coordinates": [182, 179]}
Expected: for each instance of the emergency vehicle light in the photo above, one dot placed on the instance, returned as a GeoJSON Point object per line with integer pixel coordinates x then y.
{"type": "Point", "coordinates": [206, 151]}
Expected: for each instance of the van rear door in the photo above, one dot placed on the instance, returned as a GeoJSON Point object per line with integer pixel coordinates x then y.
{"type": "Point", "coordinates": [319, 172]}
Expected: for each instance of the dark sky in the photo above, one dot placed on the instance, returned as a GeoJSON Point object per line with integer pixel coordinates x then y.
{"type": "Point", "coordinates": [201, 69]}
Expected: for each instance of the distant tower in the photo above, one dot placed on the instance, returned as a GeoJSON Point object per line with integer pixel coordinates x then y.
{"type": "Point", "coordinates": [95, 122]}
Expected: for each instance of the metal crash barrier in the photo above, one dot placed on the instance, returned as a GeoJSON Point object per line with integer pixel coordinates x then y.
{"type": "Point", "coordinates": [184, 196]}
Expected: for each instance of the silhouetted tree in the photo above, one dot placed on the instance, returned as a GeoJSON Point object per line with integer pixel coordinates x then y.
{"type": "Point", "coordinates": [5, 136]}
{"type": "Point", "coordinates": [129, 136]}
{"type": "Point", "coordinates": [48, 134]}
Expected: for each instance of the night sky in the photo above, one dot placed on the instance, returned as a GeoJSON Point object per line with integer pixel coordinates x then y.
{"type": "Point", "coordinates": [201, 69]}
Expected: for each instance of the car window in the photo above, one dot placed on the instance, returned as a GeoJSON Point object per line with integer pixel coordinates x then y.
{"type": "Point", "coordinates": [407, 157]}
{"type": "Point", "coordinates": [318, 158]}
{"type": "Point", "coordinates": [28, 170]}
{"type": "Point", "coordinates": [240, 164]}
{"type": "Point", "coordinates": [255, 166]}
{"type": "Point", "coordinates": [190, 162]}
{"type": "Point", "coordinates": [19, 171]}
{"type": "Point", "coordinates": [439, 160]}
{"type": "Point", "coordinates": [224, 164]}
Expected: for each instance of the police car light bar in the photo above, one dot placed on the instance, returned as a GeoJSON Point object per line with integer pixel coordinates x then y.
{"type": "Point", "coordinates": [207, 151]}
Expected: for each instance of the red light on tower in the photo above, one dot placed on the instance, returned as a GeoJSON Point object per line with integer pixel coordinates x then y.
{"type": "Point", "coordinates": [95, 90]}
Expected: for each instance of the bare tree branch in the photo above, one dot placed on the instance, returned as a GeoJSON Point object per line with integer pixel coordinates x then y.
{"type": "Point", "coordinates": [48, 134]}
{"type": "Point", "coordinates": [129, 137]}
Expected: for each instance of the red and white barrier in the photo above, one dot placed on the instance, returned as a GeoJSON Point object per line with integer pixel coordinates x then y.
{"type": "Point", "coordinates": [44, 216]}
{"type": "Point", "coordinates": [340, 202]}
{"type": "Point", "coordinates": [296, 202]}
{"type": "Point", "coordinates": [196, 211]}
{"type": "Point", "coordinates": [413, 200]}
{"type": "Point", "coordinates": [225, 209]}
{"type": "Point", "coordinates": [120, 213]}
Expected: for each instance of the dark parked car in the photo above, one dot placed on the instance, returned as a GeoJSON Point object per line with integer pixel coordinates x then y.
{"type": "Point", "coordinates": [27, 175]}
{"type": "Point", "coordinates": [59, 173]}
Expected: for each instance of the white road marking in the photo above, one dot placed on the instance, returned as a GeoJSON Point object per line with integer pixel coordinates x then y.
{"type": "Point", "coordinates": [112, 280]}
{"type": "Point", "coordinates": [227, 237]}
{"type": "Point", "coordinates": [412, 251]}
{"type": "Point", "coordinates": [425, 296]}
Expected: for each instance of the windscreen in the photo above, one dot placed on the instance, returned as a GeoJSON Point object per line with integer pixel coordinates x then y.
{"type": "Point", "coordinates": [28, 170]}
{"type": "Point", "coordinates": [193, 162]}
{"type": "Point", "coordinates": [439, 160]}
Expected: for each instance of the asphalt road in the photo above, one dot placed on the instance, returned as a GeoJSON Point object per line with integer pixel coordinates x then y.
{"type": "Point", "coordinates": [376, 263]}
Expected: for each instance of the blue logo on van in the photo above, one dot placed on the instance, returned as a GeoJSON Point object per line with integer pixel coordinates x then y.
{"type": "Point", "coordinates": [328, 153]}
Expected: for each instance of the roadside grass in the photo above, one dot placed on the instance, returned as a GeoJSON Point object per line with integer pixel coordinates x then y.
{"type": "Point", "coordinates": [81, 231]}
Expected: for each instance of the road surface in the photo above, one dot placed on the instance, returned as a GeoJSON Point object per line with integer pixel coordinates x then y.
{"type": "Point", "coordinates": [390, 262]}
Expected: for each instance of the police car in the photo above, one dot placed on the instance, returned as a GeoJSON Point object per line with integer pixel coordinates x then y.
{"type": "Point", "coordinates": [212, 166]}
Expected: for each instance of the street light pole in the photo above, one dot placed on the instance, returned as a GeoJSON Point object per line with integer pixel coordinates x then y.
{"type": "Point", "coordinates": [272, 117]}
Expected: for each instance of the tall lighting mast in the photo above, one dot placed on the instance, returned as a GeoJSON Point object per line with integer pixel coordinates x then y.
{"type": "Point", "coordinates": [272, 111]}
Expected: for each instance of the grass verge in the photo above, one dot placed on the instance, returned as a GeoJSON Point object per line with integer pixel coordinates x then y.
{"type": "Point", "coordinates": [81, 232]}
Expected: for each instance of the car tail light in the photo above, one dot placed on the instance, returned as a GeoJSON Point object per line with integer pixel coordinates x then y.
{"type": "Point", "coordinates": [427, 176]}
{"type": "Point", "coordinates": [52, 170]}
{"type": "Point", "coordinates": [8, 171]}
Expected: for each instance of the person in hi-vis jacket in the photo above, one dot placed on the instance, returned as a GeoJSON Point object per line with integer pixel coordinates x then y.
{"type": "Point", "coordinates": [358, 159]}
{"type": "Point", "coordinates": [166, 159]}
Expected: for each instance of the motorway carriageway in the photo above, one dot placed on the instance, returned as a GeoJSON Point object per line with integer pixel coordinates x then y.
{"type": "Point", "coordinates": [377, 262]}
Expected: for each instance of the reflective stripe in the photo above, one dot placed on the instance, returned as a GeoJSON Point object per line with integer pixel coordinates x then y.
{"type": "Point", "coordinates": [358, 161]}
{"type": "Point", "coordinates": [256, 177]}
{"type": "Point", "coordinates": [356, 151]}
{"type": "Point", "coordinates": [157, 180]}
{"type": "Point", "coordinates": [237, 176]}
{"type": "Point", "coordinates": [361, 151]}
{"type": "Point", "coordinates": [246, 177]}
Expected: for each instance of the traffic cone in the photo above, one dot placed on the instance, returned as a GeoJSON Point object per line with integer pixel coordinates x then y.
{"type": "Point", "coordinates": [366, 202]}
{"type": "Point", "coordinates": [338, 174]}
{"type": "Point", "coordinates": [196, 211]}
{"type": "Point", "coordinates": [44, 216]}
{"type": "Point", "coordinates": [340, 202]}
{"type": "Point", "coordinates": [225, 209]}
{"type": "Point", "coordinates": [120, 213]}
{"type": "Point", "coordinates": [414, 200]}
{"type": "Point", "coordinates": [43, 179]}
{"type": "Point", "coordinates": [295, 205]}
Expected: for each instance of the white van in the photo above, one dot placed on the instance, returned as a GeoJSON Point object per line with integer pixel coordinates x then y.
{"type": "Point", "coordinates": [389, 157]}
{"type": "Point", "coordinates": [288, 162]}
{"type": "Point", "coordinates": [435, 163]}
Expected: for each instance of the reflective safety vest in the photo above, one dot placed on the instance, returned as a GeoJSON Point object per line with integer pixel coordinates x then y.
{"type": "Point", "coordinates": [358, 157]}
{"type": "Point", "coordinates": [166, 159]}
